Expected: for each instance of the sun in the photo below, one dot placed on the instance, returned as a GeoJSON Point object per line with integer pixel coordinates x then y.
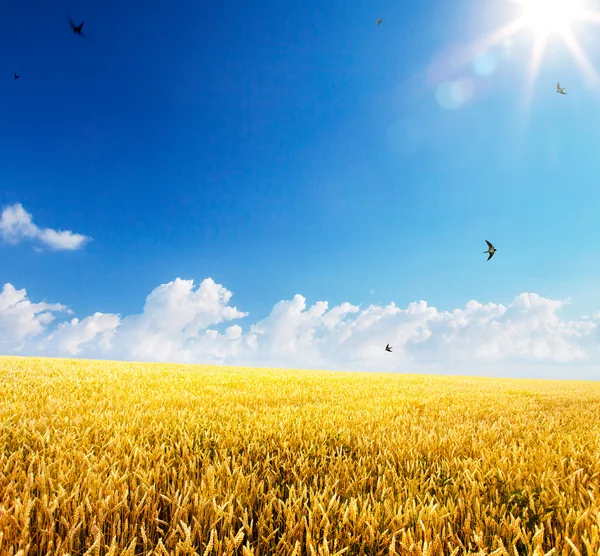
{"type": "Point", "coordinates": [545, 20]}
{"type": "Point", "coordinates": [545, 17]}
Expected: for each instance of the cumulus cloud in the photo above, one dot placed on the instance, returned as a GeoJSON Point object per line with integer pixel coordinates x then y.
{"type": "Point", "coordinates": [183, 323]}
{"type": "Point", "coordinates": [92, 335]}
{"type": "Point", "coordinates": [20, 319]}
{"type": "Point", "coordinates": [16, 225]}
{"type": "Point", "coordinates": [174, 321]}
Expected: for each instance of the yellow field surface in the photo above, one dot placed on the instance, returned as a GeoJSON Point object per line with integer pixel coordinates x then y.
{"type": "Point", "coordinates": [118, 458]}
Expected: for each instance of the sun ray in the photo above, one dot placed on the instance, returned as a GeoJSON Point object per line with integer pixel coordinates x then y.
{"type": "Point", "coordinates": [544, 19]}
{"type": "Point", "coordinates": [589, 16]}
{"type": "Point", "coordinates": [534, 68]}
{"type": "Point", "coordinates": [531, 79]}
{"type": "Point", "coordinates": [454, 60]}
{"type": "Point", "coordinates": [505, 32]}
{"type": "Point", "coordinates": [580, 58]}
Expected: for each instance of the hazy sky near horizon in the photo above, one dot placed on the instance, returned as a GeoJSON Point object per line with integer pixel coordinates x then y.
{"type": "Point", "coordinates": [291, 184]}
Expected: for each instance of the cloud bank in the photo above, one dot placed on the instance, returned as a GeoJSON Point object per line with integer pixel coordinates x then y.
{"type": "Point", "coordinates": [16, 225]}
{"type": "Point", "coordinates": [183, 324]}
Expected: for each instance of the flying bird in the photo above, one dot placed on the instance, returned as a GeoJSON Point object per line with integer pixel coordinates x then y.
{"type": "Point", "coordinates": [76, 28]}
{"type": "Point", "coordinates": [388, 348]}
{"type": "Point", "coordinates": [560, 89]}
{"type": "Point", "coordinates": [17, 76]}
{"type": "Point", "coordinates": [491, 250]}
{"type": "Point", "coordinates": [379, 22]}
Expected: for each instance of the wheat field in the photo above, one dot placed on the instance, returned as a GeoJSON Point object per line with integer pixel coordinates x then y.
{"type": "Point", "coordinates": [122, 458]}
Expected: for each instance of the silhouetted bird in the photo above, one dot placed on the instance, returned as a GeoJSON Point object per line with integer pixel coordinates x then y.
{"type": "Point", "coordinates": [379, 22]}
{"type": "Point", "coordinates": [491, 250]}
{"type": "Point", "coordinates": [17, 76]}
{"type": "Point", "coordinates": [388, 348]}
{"type": "Point", "coordinates": [560, 89]}
{"type": "Point", "coordinates": [76, 28]}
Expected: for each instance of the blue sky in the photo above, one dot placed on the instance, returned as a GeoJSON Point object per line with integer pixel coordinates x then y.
{"type": "Point", "coordinates": [296, 147]}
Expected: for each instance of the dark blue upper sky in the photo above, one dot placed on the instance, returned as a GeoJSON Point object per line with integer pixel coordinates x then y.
{"type": "Point", "coordinates": [295, 147]}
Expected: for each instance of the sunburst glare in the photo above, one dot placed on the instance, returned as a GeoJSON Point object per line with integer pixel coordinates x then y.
{"type": "Point", "coordinates": [544, 17]}
{"type": "Point", "coordinates": [545, 20]}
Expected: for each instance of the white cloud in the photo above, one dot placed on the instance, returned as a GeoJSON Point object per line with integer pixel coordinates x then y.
{"type": "Point", "coordinates": [20, 319]}
{"type": "Point", "coordinates": [173, 321]}
{"type": "Point", "coordinates": [524, 338]}
{"type": "Point", "coordinates": [16, 225]}
{"type": "Point", "coordinates": [94, 333]}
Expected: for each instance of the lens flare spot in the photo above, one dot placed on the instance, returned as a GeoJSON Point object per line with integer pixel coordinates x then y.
{"type": "Point", "coordinates": [485, 64]}
{"type": "Point", "coordinates": [454, 94]}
